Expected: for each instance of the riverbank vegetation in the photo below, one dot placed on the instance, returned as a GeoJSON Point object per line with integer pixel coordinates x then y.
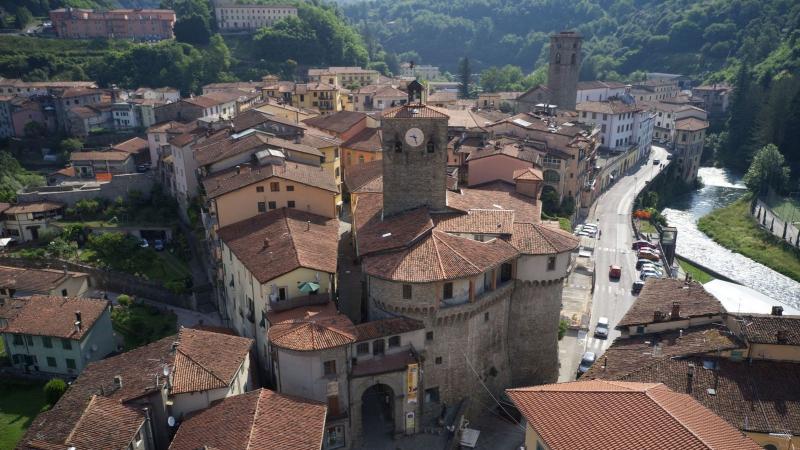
{"type": "Point", "coordinates": [734, 228]}
{"type": "Point", "coordinates": [697, 273]}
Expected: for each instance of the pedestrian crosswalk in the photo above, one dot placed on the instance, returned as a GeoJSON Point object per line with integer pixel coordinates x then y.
{"type": "Point", "coordinates": [612, 250]}
{"type": "Point", "coordinates": [596, 345]}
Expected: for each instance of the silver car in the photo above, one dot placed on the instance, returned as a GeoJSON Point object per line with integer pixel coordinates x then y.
{"type": "Point", "coordinates": [586, 362]}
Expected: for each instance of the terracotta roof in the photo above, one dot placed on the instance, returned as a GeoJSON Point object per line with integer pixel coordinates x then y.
{"type": "Point", "coordinates": [396, 362]}
{"type": "Point", "coordinates": [106, 423]}
{"type": "Point", "coordinates": [762, 396]}
{"type": "Point", "coordinates": [220, 149]}
{"type": "Point", "coordinates": [4, 206]}
{"type": "Point", "coordinates": [660, 294]}
{"type": "Point", "coordinates": [690, 124]}
{"type": "Point", "coordinates": [512, 150]}
{"type": "Point", "coordinates": [383, 90]}
{"type": "Point", "coordinates": [496, 195]}
{"type": "Point", "coordinates": [65, 171]}
{"type": "Point", "coordinates": [139, 370]}
{"type": "Point", "coordinates": [439, 256]}
{"type": "Point", "coordinates": [253, 117]}
{"type": "Point", "coordinates": [442, 96]}
{"type": "Point", "coordinates": [282, 240]}
{"type": "Point", "coordinates": [83, 112]}
{"type": "Point", "coordinates": [226, 181]}
{"type": "Point", "coordinates": [258, 420]}
{"type": "Point", "coordinates": [134, 145]}
{"type": "Point", "coordinates": [22, 208]}
{"type": "Point", "coordinates": [539, 239]}
{"type": "Point", "coordinates": [386, 327]}
{"type": "Point", "coordinates": [171, 127]}
{"type": "Point", "coordinates": [415, 111]}
{"type": "Point", "coordinates": [607, 107]}
{"type": "Point", "coordinates": [626, 355]}
{"type": "Point", "coordinates": [359, 176]}
{"type": "Point", "coordinates": [312, 329]}
{"type": "Point", "coordinates": [338, 122]}
{"type": "Point", "coordinates": [339, 70]}
{"type": "Point", "coordinates": [766, 329]}
{"type": "Point", "coordinates": [488, 221]}
{"type": "Point", "coordinates": [368, 140]}
{"type": "Point", "coordinates": [530, 173]}
{"type": "Point", "coordinates": [615, 415]}
{"type": "Point", "coordinates": [110, 155]}
{"type": "Point", "coordinates": [207, 360]}
{"type": "Point", "coordinates": [374, 233]}
{"type": "Point", "coordinates": [319, 139]}
{"type": "Point", "coordinates": [214, 98]}
{"type": "Point", "coordinates": [37, 281]}
{"type": "Point", "coordinates": [55, 316]}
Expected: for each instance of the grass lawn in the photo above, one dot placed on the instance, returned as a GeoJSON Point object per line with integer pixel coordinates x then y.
{"type": "Point", "coordinates": [565, 224]}
{"type": "Point", "coordinates": [167, 267]}
{"type": "Point", "coordinates": [646, 227]}
{"type": "Point", "coordinates": [734, 228]}
{"type": "Point", "coordinates": [142, 324]}
{"type": "Point", "coordinates": [697, 273]}
{"type": "Point", "coordinates": [787, 209]}
{"type": "Point", "coordinates": [20, 402]}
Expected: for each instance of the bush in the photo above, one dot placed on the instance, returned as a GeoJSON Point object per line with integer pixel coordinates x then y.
{"type": "Point", "coordinates": [124, 300]}
{"type": "Point", "coordinates": [54, 389]}
{"type": "Point", "coordinates": [563, 325]}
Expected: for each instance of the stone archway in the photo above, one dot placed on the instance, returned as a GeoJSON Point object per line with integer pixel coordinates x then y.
{"type": "Point", "coordinates": [378, 411]}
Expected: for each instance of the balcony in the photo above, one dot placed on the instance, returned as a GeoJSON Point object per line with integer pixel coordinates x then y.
{"type": "Point", "coordinates": [307, 300]}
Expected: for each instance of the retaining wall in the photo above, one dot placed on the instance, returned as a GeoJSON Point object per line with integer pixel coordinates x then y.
{"type": "Point", "coordinates": [119, 186]}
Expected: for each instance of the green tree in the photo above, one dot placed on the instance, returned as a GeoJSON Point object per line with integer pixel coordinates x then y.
{"type": "Point", "coordinates": [768, 170]}
{"type": "Point", "coordinates": [743, 112]}
{"type": "Point", "coordinates": [464, 78]}
{"type": "Point", "coordinates": [53, 390]}
{"type": "Point", "coordinates": [790, 146]}
{"type": "Point", "coordinates": [193, 30]}
{"type": "Point", "coordinates": [23, 17]}
{"type": "Point", "coordinates": [70, 145]}
{"type": "Point", "coordinates": [14, 177]}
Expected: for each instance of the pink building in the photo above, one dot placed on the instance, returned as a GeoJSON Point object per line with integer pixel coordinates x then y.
{"type": "Point", "coordinates": [498, 161]}
{"type": "Point", "coordinates": [136, 24]}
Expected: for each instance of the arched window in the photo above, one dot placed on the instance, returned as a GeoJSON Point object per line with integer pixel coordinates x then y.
{"type": "Point", "coordinates": [551, 176]}
{"type": "Point", "coordinates": [431, 146]}
{"type": "Point", "coordinates": [558, 58]}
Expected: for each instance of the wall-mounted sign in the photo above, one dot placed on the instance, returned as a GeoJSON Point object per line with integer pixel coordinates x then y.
{"type": "Point", "coordinates": [412, 382]}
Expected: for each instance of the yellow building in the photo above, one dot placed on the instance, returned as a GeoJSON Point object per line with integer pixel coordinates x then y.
{"type": "Point", "coordinates": [344, 76]}
{"type": "Point", "coordinates": [275, 108]}
{"type": "Point", "coordinates": [275, 261]}
{"type": "Point", "coordinates": [26, 221]}
{"type": "Point", "coordinates": [17, 282]}
{"type": "Point", "coordinates": [329, 146]}
{"type": "Point", "coordinates": [321, 96]}
{"type": "Point", "coordinates": [364, 147]}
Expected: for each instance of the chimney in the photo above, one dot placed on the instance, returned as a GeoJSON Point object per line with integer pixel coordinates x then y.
{"type": "Point", "coordinates": [777, 310]}
{"type": "Point", "coordinates": [780, 336]}
{"type": "Point", "coordinates": [78, 324]}
{"type": "Point", "coordinates": [266, 242]}
{"type": "Point", "coordinates": [174, 347]}
{"type": "Point", "coordinates": [676, 311]}
{"type": "Point", "coordinates": [297, 138]}
{"type": "Point", "coordinates": [238, 170]}
{"type": "Point", "coordinates": [118, 381]}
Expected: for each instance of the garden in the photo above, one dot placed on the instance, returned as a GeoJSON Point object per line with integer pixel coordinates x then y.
{"type": "Point", "coordinates": [140, 324]}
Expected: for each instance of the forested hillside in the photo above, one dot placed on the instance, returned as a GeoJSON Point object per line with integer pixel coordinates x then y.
{"type": "Point", "coordinates": [622, 36]}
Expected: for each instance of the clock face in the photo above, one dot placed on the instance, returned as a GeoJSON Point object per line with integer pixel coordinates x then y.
{"type": "Point", "coordinates": [414, 137]}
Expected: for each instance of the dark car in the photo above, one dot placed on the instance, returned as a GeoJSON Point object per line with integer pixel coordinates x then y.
{"type": "Point", "coordinates": [637, 286]}
{"type": "Point", "coordinates": [642, 243]}
{"type": "Point", "coordinates": [614, 272]}
{"type": "Point", "coordinates": [656, 162]}
{"type": "Point", "coordinates": [158, 245]}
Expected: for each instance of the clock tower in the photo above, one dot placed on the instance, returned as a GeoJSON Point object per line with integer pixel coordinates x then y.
{"type": "Point", "coordinates": [414, 156]}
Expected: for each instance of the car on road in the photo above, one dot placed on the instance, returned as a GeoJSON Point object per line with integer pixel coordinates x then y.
{"type": "Point", "coordinates": [158, 245]}
{"type": "Point", "coordinates": [601, 329]}
{"type": "Point", "coordinates": [637, 286]}
{"type": "Point", "coordinates": [614, 272]}
{"type": "Point", "coordinates": [656, 162]}
{"type": "Point", "coordinates": [587, 360]}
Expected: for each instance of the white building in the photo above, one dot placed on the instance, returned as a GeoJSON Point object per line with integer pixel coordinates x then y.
{"type": "Point", "coordinates": [421, 72]}
{"type": "Point", "coordinates": [617, 121]}
{"type": "Point", "coordinates": [235, 17]}
{"type": "Point", "coordinates": [667, 113]}
{"type": "Point", "coordinates": [377, 98]}
{"type": "Point", "coordinates": [598, 91]}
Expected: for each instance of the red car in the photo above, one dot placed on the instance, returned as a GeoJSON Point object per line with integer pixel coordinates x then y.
{"type": "Point", "coordinates": [642, 244]}
{"type": "Point", "coordinates": [614, 272]}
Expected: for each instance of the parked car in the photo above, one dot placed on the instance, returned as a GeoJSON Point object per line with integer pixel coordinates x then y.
{"type": "Point", "coordinates": [142, 168]}
{"type": "Point", "coordinates": [641, 262]}
{"type": "Point", "coordinates": [656, 162]}
{"type": "Point", "coordinates": [144, 244]}
{"type": "Point", "coordinates": [652, 268]}
{"type": "Point", "coordinates": [642, 244]}
{"type": "Point", "coordinates": [648, 274]}
{"type": "Point", "coordinates": [601, 330]}
{"type": "Point", "coordinates": [669, 157]}
{"type": "Point", "coordinates": [158, 245]}
{"type": "Point", "coordinates": [614, 272]}
{"type": "Point", "coordinates": [587, 360]}
{"type": "Point", "coordinates": [647, 255]}
{"type": "Point", "coordinates": [637, 286]}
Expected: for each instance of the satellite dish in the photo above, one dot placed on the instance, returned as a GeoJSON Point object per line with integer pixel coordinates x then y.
{"type": "Point", "coordinates": [171, 421]}
{"type": "Point", "coordinates": [166, 371]}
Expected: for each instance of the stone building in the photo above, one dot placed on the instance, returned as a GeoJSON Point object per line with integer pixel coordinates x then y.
{"type": "Point", "coordinates": [475, 266]}
{"type": "Point", "coordinates": [565, 63]}
{"type": "Point", "coordinates": [690, 135]}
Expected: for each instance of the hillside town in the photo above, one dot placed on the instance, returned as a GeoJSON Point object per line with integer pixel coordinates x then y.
{"type": "Point", "coordinates": [350, 260]}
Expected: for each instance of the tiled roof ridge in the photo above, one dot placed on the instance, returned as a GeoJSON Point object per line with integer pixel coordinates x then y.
{"type": "Point", "coordinates": [83, 414]}
{"type": "Point", "coordinates": [436, 249]}
{"type": "Point", "coordinates": [253, 419]}
{"type": "Point", "coordinates": [669, 411]}
{"type": "Point", "coordinates": [204, 368]}
{"type": "Point", "coordinates": [538, 229]}
{"type": "Point", "coordinates": [335, 330]}
{"type": "Point", "coordinates": [453, 250]}
{"type": "Point", "coordinates": [285, 219]}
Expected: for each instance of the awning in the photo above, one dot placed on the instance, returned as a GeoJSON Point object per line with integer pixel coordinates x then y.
{"type": "Point", "coordinates": [308, 287]}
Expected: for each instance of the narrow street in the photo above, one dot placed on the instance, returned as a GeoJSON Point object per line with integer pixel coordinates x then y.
{"type": "Point", "coordinates": [611, 298]}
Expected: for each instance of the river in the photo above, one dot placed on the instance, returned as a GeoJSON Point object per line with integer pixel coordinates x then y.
{"type": "Point", "coordinates": [721, 188]}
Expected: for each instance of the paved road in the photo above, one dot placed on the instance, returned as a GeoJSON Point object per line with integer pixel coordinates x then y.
{"type": "Point", "coordinates": [611, 298]}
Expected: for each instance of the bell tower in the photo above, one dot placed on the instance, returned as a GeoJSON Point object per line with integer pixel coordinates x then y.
{"type": "Point", "coordinates": [414, 155]}
{"type": "Point", "coordinates": [563, 69]}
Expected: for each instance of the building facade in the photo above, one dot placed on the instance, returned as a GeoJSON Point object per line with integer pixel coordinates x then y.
{"type": "Point", "coordinates": [135, 24]}
{"type": "Point", "coordinates": [563, 68]}
{"type": "Point", "coordinates": [249, 17]}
